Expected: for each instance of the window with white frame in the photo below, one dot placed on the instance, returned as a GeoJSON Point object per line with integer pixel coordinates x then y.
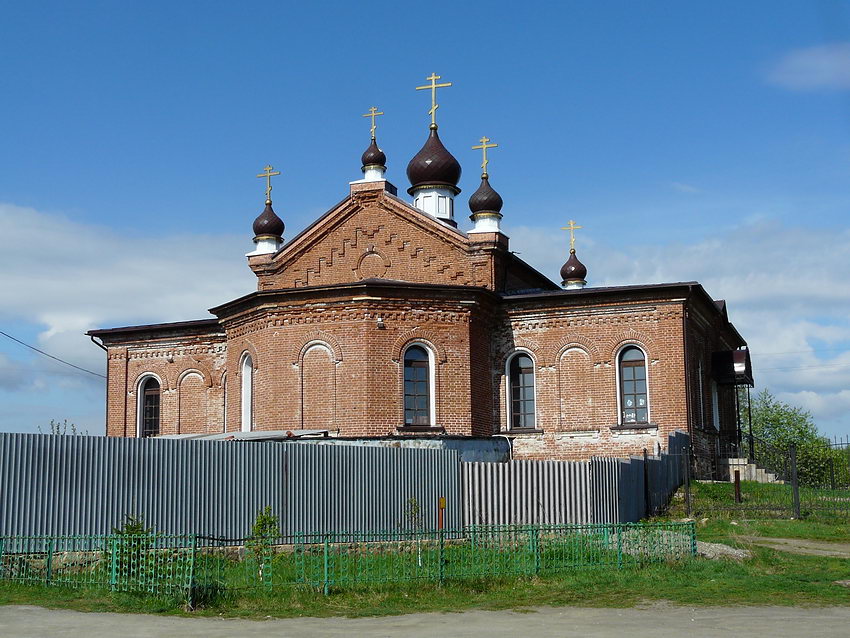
{"type": "Point", "coordinates": [149, 404]}
{"type": "Point", "coordinates": [634, 397]}
{"type": "Point", "coordinates": [521, 390]}
{"type": "Point", "coordinates": [418, 386]}
{"type": "Point", "coordinates": [247, 370]}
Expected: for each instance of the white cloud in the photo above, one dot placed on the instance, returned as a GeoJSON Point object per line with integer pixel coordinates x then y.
{"type": "Point", "coordinates": [682, 187]}
{"type": "Point", "coordinates": [825, 66]}
{"type": "Point", "coordinates": [787, 291]}
{"type": "Point", "coordinates": [69, 277]}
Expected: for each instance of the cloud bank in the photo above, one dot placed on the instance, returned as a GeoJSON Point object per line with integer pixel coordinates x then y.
{"type": "Point", "coordinates": [826, 66]}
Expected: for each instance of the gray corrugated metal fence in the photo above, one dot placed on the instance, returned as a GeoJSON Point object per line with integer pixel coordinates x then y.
{"type": "Point", "coordinates": [86, 485]}
{"type": "Point", "coordinates": [602, 490]}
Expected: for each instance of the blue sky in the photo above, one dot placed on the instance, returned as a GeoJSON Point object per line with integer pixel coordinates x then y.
{"type": "Point", "coordinates": [706, 141]}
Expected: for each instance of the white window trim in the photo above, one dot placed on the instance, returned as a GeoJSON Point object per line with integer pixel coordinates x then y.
{"type": "Point", "coordinates": [140, 404]}
{"type": "Point", "coordinates": [246, 407]}
{"type": "Point", "coordinates": [432, 382]}
{"type": "Point", "coordinates": [508, 407]}
{"type": "Point", "coordinates": [618, 385]}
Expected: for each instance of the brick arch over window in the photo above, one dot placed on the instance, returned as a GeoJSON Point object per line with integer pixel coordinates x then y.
{"type": "Point", "coordinates": [522, 343]}
{"type": "Point", "coordinates": [318, 386]}
{"type": "Point", "coordinates": [318, 337]}
{"type": "Point", "coordinates": [633, 337]}
{"type": "Point", "coordinates": [244, 347]}
{"type": "Point", "coordinates": [155, 370]}
{"type": "Point", "coordinates": [424, 336]}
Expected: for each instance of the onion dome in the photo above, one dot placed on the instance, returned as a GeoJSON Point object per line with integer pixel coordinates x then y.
{"type": "Point", "coordinates": [485, 199]}
{"type": "Point", "coordinates": [573, 272]}
{"type": "Point", "coordinates": [373, 156]}
{"type": "Point", "coordinates": [268, 224]}
{"type": "Point", "coordinates": [433, 165]}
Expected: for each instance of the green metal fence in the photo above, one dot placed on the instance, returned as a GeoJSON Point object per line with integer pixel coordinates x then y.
{"type": "Point", "coordinates": [202, 566]}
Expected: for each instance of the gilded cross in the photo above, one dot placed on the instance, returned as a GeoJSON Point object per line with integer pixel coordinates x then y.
{"type": "Point", "coordinates": [268, 174]}
{"type": "Point", "coordinates": [483, 147]}
{"type": "Point", "coordinates": [433, 86]}
{"type": "Point", "coordinates": [373, 113]}
{"type": "Point", "coordinates": [572, 228]}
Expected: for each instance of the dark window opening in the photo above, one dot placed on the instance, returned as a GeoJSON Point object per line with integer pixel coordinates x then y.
{"type": "Point", "coordinates": [521, 372]}
{"type": "Point", "coordinates": [150, 408]}
{"type": "Point", "coordinates": [417, 391]}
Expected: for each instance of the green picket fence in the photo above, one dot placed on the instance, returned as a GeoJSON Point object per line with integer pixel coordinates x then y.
{"type": "Point", "coordinates": [198, 566]}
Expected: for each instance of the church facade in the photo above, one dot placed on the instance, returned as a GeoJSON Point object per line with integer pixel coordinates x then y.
{"type": "Point", "coordinates": [383, 319]}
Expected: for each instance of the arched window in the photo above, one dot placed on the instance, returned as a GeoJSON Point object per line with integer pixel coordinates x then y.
{"type": "Point", "coordinates": [149, 407]}
{"type": "Point", "coordinates": [417, 386]}
{"type": "Point", "coordinates": [634, 402]}
{"type": "Point", "coordinates": [521, 391]}
{"type": "Point", "coordinates": [224, 401]}
{"type": "Point", "coordinates": [247, 393]}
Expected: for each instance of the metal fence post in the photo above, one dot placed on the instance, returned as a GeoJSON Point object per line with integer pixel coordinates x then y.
{"type": "Point", "coordinates": [326, 572]}
{"type": "Point", "coordinates": [686, 457]}
{"type": "Point", "coordinates": [49, 571]}
{"type": "Point", "coordinates": [191, 580]}
{"type": "Point", "coordinates": [113, 562]}
{"type": "Point", "coordinates": [620, 530]}
{"type": "Point", "coordinates": [795, 483]}
{"type": "Point", "coordinates": [647, 498]}
{"type": "Point", "coordinates": [442, 555]}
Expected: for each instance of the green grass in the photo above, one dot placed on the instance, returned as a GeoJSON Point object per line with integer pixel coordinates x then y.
{"type": "Point", "coordinates": [769, 578]}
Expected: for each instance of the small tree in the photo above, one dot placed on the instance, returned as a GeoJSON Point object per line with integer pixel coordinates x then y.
{"type": "Point", "coordinates": [132, 559]}
{"type": "Point", "coordinates": [781, 425]}
{"type": "Point", "coordinates": [413, 520]}
{"type": "Point", "coordinates": [265, 530]}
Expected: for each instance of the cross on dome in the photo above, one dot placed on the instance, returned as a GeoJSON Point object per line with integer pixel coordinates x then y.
{"type": "Point", "coordinates": [268, 173]}
{"type": "Point", "coordinates": [483, 147]}
{"type": "Point", "coordinates": [433, 87]}
{"type": "Point", "coordinates": [373, 113]}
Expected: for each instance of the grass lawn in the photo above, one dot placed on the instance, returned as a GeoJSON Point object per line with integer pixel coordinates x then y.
{"type": "Point", "coordinates": [769, 578]}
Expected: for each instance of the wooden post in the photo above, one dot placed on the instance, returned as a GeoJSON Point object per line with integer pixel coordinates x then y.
{"type": "Point", "coordinates": [738, 498]}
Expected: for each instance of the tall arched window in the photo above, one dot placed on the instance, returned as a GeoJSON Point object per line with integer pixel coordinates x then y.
{"type": "Point", "coordinates": [149, 407]}
{"type": "Point", "coordinates": [521, 391]}
{"type": "Point", "coordinates": [417, 386]}
{"type": "Point", "coordinates": [634, 401]}
{"type": "Point", "coordinates": [247, 393]}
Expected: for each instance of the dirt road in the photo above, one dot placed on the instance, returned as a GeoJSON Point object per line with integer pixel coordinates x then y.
{"type": "Point", "coordinates": [657, 621]}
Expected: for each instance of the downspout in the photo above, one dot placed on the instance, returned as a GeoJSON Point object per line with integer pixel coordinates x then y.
{"type": "Point", "coordinates": [685, 309]}
{"type": "Point", "coordinates": [106, 409]}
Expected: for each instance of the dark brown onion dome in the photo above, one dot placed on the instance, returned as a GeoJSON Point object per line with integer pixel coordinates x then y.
{"type": "Point", "coordinates": [433, 165]}
{"type": "Point", "coordinates": [268, 223]}
{"type": "Point", "coordinates": [485, 199]}
{"type": "Point", "coordinates": [573, 270]}
{"type": "Point", "coordinates": [373, 156]}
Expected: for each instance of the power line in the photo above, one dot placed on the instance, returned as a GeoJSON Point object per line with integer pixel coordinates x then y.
{"type": "Point", "coordinates": [26, 345]}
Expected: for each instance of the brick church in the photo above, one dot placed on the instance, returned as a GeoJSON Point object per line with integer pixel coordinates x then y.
{"type": "Point", "coordinates": [383, 318]}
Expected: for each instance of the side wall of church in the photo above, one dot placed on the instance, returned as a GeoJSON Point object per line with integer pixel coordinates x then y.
{"type": "Point", "coordinates": [339, 366]}
{"type": "Point", "coordinates": [575, 353]}
{"type": "Point", "coordinates": [189, 373]}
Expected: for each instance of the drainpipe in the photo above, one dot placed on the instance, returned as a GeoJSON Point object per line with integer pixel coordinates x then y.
{"type": "Point", "coordinates": [510, 445]}
{"type": "Point", "coordinates": [106, 409]}
{"type": "Point", "coordinates": [685, 309]}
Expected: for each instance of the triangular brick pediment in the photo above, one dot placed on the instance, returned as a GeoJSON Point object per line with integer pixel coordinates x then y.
{"type": "Point", "coordinates": [374, 235]}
